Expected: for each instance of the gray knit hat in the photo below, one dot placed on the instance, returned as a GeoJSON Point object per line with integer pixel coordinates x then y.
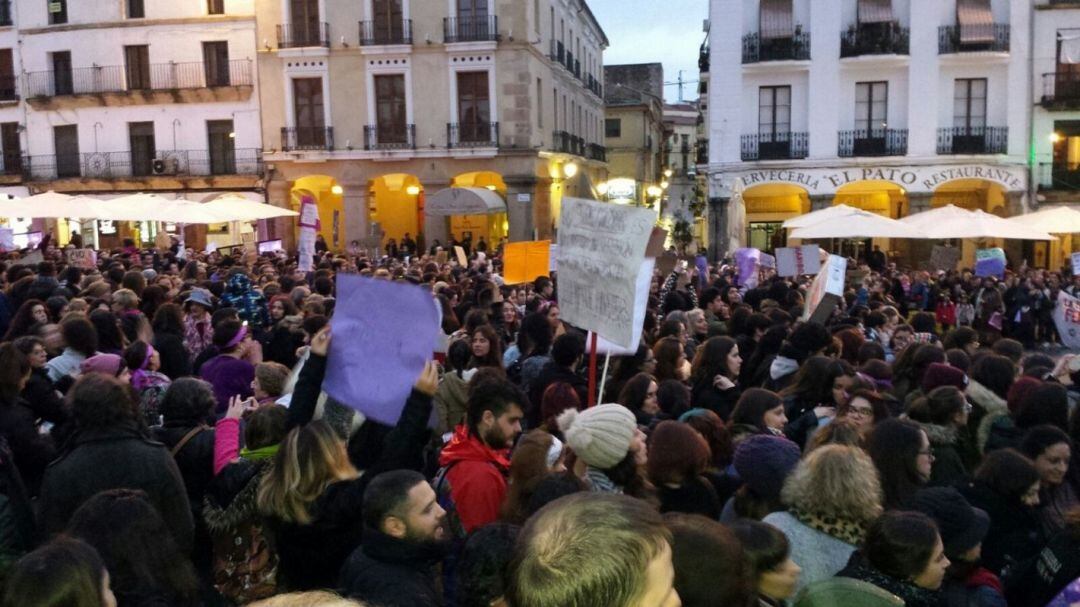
{"type": "Point", "coordinates": [600, 435]}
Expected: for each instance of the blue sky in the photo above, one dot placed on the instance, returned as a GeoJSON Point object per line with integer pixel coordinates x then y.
{"type": "Point", "coordinates": [646, 31]}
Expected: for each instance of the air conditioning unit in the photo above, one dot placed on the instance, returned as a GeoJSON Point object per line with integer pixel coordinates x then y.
{"type": "Point", "coordinates": [165, 166]}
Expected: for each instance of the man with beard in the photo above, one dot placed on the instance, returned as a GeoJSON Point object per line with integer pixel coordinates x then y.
{"type": "Point", "coordinates": [476, 462]}
{"type": "Point", "coordinates": [404, 538]}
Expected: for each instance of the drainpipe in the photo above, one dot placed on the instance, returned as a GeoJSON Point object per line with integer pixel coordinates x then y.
{"type": "Point", "coordinates": [1033, 187]}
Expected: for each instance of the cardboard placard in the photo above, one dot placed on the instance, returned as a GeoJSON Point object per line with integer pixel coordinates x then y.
{"type": "Point", "coordinates": [641, 301]}
{"type": "Point", "coordinates": [82, 258]}
{"type": "Point", "coordinates": [460, 254]}
{"type": "Point", "coordinates": [1076, 263]}
{"type": "Point", "coordinates": [30, 259]}
{"type": "Point", "coordinates": [797, 261]}
{"type": "Point", "coordinates": [944, 258]}
{"type": "Point", "coordinates": [525, 261]}
{"type": "Point", "coordinates": [1067, 319]}
{"type": "Point", "coordinates": [990, 262]}
{"type": "Point", "coordinates": [827, 290]}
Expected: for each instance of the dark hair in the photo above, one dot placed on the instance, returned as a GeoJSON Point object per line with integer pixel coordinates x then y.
{"type": "Point", "coordinates": [724, 578]}
{"type": "Point", "coordinates": [484, 564]}
{"type": "Point", "coordinates": [938, 407]}
{"type": "Point", "coordinates": [924, 322]}
{"type": "Point", "coordinates": [110, 339]}
{"type": "Point", "coordinates": [266, 426]}
{"type": "Point", "coordinates": [550, 488]}
{"type": "Point", "coordinates": [23, 319]}
{"type": "Point", "coordinates": [667, 351]}
{"type": "Point", "coordinates": [567, 348]}
{"type": "Point", "coordinates": [673, 397]}
{"type": "Point", "coordinates": [168, 319]}
{"type": "Point", "coordinates": [14, 368]}
{"type": "Point", "coordinates": [677, 453]}
{"type": "Point", "coordinates": [226, 331]}
{"type": "Point", "coordinates": [27, 343]}
{"type": "Point", "coordinates": [1036, 361]}
{"type": "Point", "coordinates": [710, 360]}
{"type": "Point", "coordinates": [809, 384]}
{"type": "Point", "coordinates": [1009, 348]}
{"type": "Point", "coordinates": [870, 350]}
{"type": "Point", "coordinates": [80, 335]}
{"type": "Point", "coordinates": [458, 355]}
{"type": "Point", "coordinates": [1040, 438]}
{"type": "Point", "coordinates": [766, 547]}
{"type": "Point", "coordinates": [137, 546]}
{"type": "Point", "coordinates": [994, 372]}
{"type": "Point", "coordinates": [1007, 472]}
{"type": "Point", "coordinates": [960, 338]}
{"type": "Point", "coordinates": [752, 406]}
{"type": "Point", "coordinates": [901, 544]}
{"type": "Point", "coordinates": [493, 358]}
{"type": "Point", "coordinates": [535, 334]}
{"type": "Point", "coordinates": [388, 495]}
{"type": "Point", "coordinates": [135, 354]}
{"type": "Point", "coordinates": [496, 396]}
{"type": "Point", "coordinates": [1048, 403]}
{"type": "Point", "coordinates": [188, 399]}
{"type": "Point", "coordinates": [557, 397]}
{"type": "Point", "coordinates": [876, 400]}
{"type": "Point", "coordinates": [958, 358]}
{"type": "Point", "coordinates": [672, 327]}
{"type": "Point", "coordinates": [894, 446]}
{"type": "Point", "coordinates": [709, 425]}
{"type": "Point", "coordinates": [65, 572]}
{"type": "Point", "coordinates": [100, 401]}
{"type": "Point", "coordinates": [635, 391]}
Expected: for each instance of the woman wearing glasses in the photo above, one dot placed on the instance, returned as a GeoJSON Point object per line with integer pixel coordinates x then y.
{"type": "Point", "coordinates": [904, 459]}
{"type": "Point", "coordinates": [942, 414]}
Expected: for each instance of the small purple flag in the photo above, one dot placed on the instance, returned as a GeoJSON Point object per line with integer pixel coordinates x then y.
{"type": "Point", "coordinates": [990, 262]}
{"type": "Point", "coordinates": [747, 260]}
{"type": "Point", "coordinates": [383, 334]}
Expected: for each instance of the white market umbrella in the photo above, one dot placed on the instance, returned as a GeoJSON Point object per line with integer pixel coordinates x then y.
{"type": "Point", "coordinates": [814, 217]}
{"type": "Point", "coordinates": [856, 224]}
{"type": "Point", "coordinates": [149, 207]}
{"type": "Point", "coordinates": [953, 222]}
{"type": "Point", "coordinates": [1055, 220]}
{"type": "Point", "coordinates": [48, 205]}
{"type": "Point", "coordinates": [234, 207]}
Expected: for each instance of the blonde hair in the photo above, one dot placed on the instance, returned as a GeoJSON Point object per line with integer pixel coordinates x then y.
{"type": "Point", "coordinates": [835, 480]}
{"type": "Point", "coordinates": [317, 598]}
{"type": "Point", "coordinates": [311, 458]}
{"type": "Point", "coordinates": [126, 298]}
{"type": "Point", "coordinates": [272, 377]}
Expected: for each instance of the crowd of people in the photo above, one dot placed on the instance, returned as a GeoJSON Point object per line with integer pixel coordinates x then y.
{"type": "Point", "coordinates": [165, 441]}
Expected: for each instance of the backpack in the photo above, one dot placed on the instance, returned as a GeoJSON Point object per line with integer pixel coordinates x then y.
{"type": "Point", "coordinates": [245, 562]}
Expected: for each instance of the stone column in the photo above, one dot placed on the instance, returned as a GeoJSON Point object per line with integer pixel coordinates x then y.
{"type": "Point", "coordinates": [522, 194]}
{"type": "Point", "coordinates": [916, 252]}
{"type": "Point", "coordinates": [719, 218]}
{"type": "Point", "coordinates": [435, 227]}
{"type": "Point", "coordinates": [355, 222]}
{"type": "Point", "coordinates": [818, 203]}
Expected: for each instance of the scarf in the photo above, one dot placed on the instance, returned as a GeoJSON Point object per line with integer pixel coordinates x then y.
{"type": "Point", "coordinates": [844, 530]}
{"type": "Point", "coordinates": [261, 453]}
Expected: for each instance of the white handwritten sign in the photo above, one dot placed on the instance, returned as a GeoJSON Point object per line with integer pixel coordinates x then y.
{"type": "Point", "coordinates": [827, 290]}
{"type": "Point", "coordinates": [1067, 319]}
{"type": "Point", "coordinates": [82, 258]}
{"type": "Point", "coordinates": [601, 249]}
{"type": "Point", "coordinates": [796, 261]}
{"type": "Point", "coordinates": [1076, 263]}
{"type": "Point", "coordinates": [309, 216]}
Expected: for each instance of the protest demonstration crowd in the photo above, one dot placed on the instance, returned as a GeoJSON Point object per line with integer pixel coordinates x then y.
{"type": "Point", "coordinates": [181, 428]}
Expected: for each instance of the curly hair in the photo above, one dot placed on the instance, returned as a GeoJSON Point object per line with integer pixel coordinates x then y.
{"type": "Point", "coordinates": [835, 480]}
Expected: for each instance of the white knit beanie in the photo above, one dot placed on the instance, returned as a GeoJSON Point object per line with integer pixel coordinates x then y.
{"type": "Point", "coordinates": [600, 435]}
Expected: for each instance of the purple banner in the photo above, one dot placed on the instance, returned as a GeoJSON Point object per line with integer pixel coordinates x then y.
{"type": "Point", "coordinates": [383, 334]}
{"type": "Point", "coordinates": [990, 262]}
{"type": "Point", "coordinates": [702, 264]}
{"type": "Point", "coordinates": [747, 260]}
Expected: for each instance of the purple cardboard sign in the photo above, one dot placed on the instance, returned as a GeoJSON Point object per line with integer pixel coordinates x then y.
{"type": "Point", "coordinates": [747, 261]}
{"type": "Point", "coordinates": [383, 334]}
{"type": "Point", "coordinates": [702, 264]}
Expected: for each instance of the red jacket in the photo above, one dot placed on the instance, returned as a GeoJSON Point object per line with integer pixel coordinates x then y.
{"type": "Point", "coordinates": [477, 479]}
{"type": "Point", "coordinates": [946, 313]}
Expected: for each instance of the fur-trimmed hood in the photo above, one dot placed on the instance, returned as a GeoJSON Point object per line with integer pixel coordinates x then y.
{"type": "Point", "coordinates": [993, 407]}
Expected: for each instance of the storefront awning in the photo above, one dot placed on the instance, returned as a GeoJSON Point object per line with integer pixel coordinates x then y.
{"type": "Point", "coordinates": [976, 21]}
{"type": "Point", "coordinates": [777, 19]}
{"type": "Point", "coordinates": [464, 201]}
{"type": "Point", "coordinates": [875, 11]}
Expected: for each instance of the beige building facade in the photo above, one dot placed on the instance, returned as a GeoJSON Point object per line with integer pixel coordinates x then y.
{"type": "Point", "coordinates": [634, 132]}
{"type": "Point", "coordinates": [376, 108]}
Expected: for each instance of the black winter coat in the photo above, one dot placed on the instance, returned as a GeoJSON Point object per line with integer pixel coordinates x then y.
{"type": "Point", "coordinates": [115, 458]}
{"type": "Point", "coordinates": [196, 463]}
{"type": "Point", "coordinates": [390, 572]}
{"type": "Point", "coordinates": [175, 360]}
{"type": "Point", "coordinates": [1015, 536]}
{"type": "Point", "coordinates": [43, 399]}
{"type": "Point", "coordinates": [31, 450]}
{"type": "Point", "coordinates": [721, 402]}
{"type": "Point", "coordinates": [695, 496]}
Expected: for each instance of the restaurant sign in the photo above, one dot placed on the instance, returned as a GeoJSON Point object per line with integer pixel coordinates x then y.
{"type": "Point", "coordinates": [1012, 178]}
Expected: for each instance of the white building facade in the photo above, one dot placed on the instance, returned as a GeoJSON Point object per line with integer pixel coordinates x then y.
{"type": "Point", "coordinates": [893, 106]}
{"type": "Point", "coordinates": [124, 96]}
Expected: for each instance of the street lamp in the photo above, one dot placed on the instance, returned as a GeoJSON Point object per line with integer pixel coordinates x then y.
{"type": "Point", "coordinates": [337, 190]}
{"type": "Point", "coordinates": [654, 191]}
{"type": "Point", "coordinates": [570, 169]}
{"type": "Point", "coordinates": [413, 190]}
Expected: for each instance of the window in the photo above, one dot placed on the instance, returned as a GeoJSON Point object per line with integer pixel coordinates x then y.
{"type": "Point", "coordinates": [555, 107]}
{"type": "Point", "coordinates": [472, 10]}
{"type": "Point", "coordinates": [62, 80]}
{"type": "Point", "coordinates": [389, 21]}
{"type": "Point", "coordinates": [969, 104]}
{"type": "Point", "coordinates": [143, 150]}
{"type": "Point", "coordinates": [216, 63]}
{"type": "Point", "coordinates": [136, 9]}
{"type": "Point", "coordinates": [137, 66]}
{"type": "Point", "coordinates": [215, 7]}
{"type": "Point", "coordinates": [305, 22]}
{"type": "Point", "coordinates": [613, 128]}
{"type": "Point", "coordinates": [219, 133]}
{"type": "Point", "coordinates": [539, 103]}
{"type": "Point", "coordinates": [66, 145]}
{"type": "Point", "coordinates": [390, 114]}
{"type": "Point", "coordinates": [871, 107]}
{"type": "Point", "coordinates": [474, 107]}
{"type": "Point", "coordinates": [7, 75]}
{"type": "Point", "coordinates": [308, 108]}
{"type": "Point", "coordinates": [9, 139]}
{"type": "Point", "coordinates": [57, 11]}
{"type": "Point", "coordinates": [536, 16]}
{"type": "Point", "coordinates": [774, 112]}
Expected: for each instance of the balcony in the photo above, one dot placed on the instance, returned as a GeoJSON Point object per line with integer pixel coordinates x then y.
{"type": "Point", "coordinates": [307, 138]}
{"type": "Point", "coordinates": [1061, 91]}
{"type": "Point", "coordinates": [703, 58]}
{"type": "Point", "coordinates": [472, 135]}
{"type": "Point", "coordinates": [471, 29]}
{"type": "Point", "coordinates": [568, 144]}
{"type": "Point", "coordinates": [1054, 176]}
{"type": "Point", "coordinates": [875, 39]}
{"type": "Point", "coordinates": [5, 12]}
{"type": "Point", "coordinates": [596, 152]}
{"type": "Point", "coordinates": [973, 140]}
{"type": "Point", "coordinates": [873, 142]}
{"type": "Point", "coordinates": [300, 35]}
{"type": "Point", "coordinates": [997, 40]}
{"type": "Point", "coordinates": [378, 34]}
{"type": "Point", "coordinates": [121, 165]}
{"type": "Point", "coordinates": [119, 79]}
{"type": "Point", "coordinates": [402, 137]}
{"type": "Point", "coordinates": [594, 85]}
{"type": "Point", "coordinates": [775, 146]}
{"type": "Point", "coordinates": [558, 52]}
{"type": "Point", "coordinates": [702, 156]}
{"type": "Point", "coordinates": [795, 48]}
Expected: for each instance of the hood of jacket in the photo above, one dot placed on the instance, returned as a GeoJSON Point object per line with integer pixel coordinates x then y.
{"type": "Point", "coordinates": [782, 366]}
{"type": "Point", "coordinates": [992, 404]}
{"type": "Point", "coordinates": [238, 284]}
{"type": "Point", "coordinates": [939, 435]}
{"type": "Point", "coordinates": [464, 447]}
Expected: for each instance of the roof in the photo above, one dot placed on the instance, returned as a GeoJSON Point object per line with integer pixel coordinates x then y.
{"type": "Point", "coordinates": [633, 84]}
{"type": "Point", "coordinates": [588, 12]}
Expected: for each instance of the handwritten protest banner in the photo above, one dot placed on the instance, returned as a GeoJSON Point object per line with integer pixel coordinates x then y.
{"type": "Point", "coordinates": [30, 259]}
{"type": "Point", "coordinates": [383, 333]}
{"type": "Point", "coordinates": [827, 290]}
{"type": "Point", "coordinates": [796, 261]}
{"type": "Point", "coordinates": [1067, 319]}
{"type": "Point", "coordinates": [525, 261]}
{"type": "Point", "coordinates": [309, 220]}
{"type": "Point", "coordinates": [1076, 263]}
{"type": "Point", "coordinates": [7, 239]}
{"type": "Point", "coordinates": [82, 258]}
{"type": "Point", "coordinates": [944, 258]}
{"type": "Point", "coordinates": [601, 249]}
{"type": "Point", "coordinates": [641, 302]}
{"type": "Point", "coordinates": [990, 262]}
